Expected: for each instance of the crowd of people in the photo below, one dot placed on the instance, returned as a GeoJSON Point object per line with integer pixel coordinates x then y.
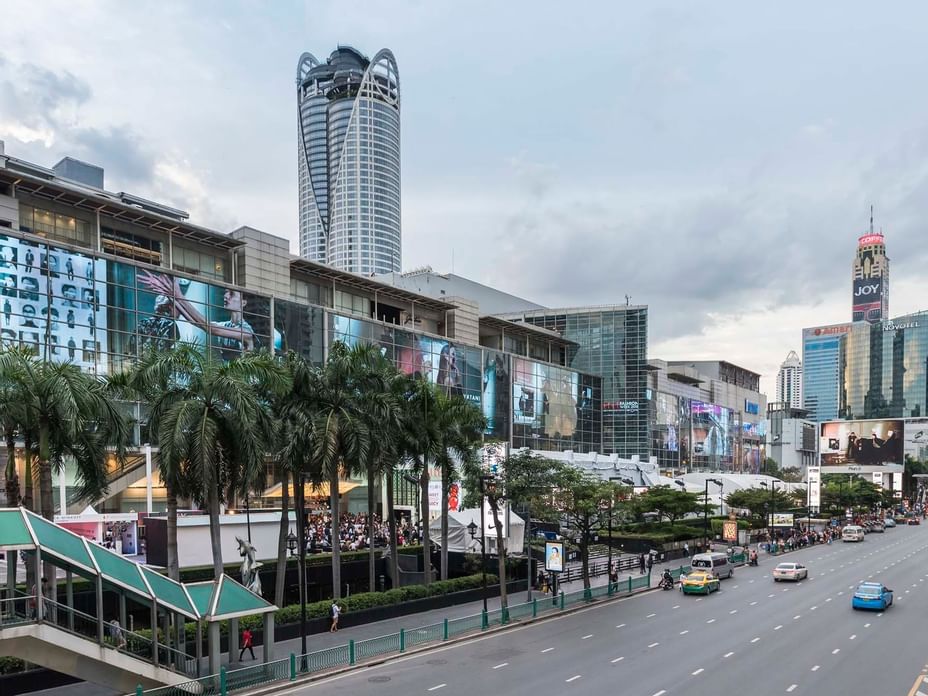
{"type": "Point", "coordinates": [353, 532]}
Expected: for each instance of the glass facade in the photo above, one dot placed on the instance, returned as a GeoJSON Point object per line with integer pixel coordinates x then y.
{"type": "Point", "coordinates": [884, 369]}
{"type": "Point", "coordinates": [349, 161]}
{"type": "Point", "coordinates": [821, 368]}
{"type": "Point", "coordinates": [611, 343]}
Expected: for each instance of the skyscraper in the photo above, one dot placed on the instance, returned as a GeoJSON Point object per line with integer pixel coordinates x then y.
{"type": "Point", "coordinates": [821, 370]}
{"type": "Point", "coordinates": [870, 278]}
{"type": "Point", "coordinates": [789, 381]}
{"type": "Point", "coordinates": [348, 111]}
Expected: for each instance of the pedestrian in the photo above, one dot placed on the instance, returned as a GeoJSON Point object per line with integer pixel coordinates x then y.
{"type": "Point", "coordinates": [686, 549]}
{"type": "Point", "coordinates": [334, 613]}
{"type": "Point", "coordinates": [650, 562]}
{"type": "Point", "coordinates": [641, 563]}
{"type": "Point", "coordinates": [119, 638]}
{"type": "Point", "coordinates": [540, 581]}
{"type": "Point", "coordinates": [247, 644]}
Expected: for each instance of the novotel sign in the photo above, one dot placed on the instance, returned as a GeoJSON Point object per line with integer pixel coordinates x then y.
{"type": "Point", "coordinates": [890, 326]}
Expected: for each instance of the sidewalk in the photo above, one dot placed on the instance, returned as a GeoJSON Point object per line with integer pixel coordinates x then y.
{"type": "Point", "coordinates": [320, 641]}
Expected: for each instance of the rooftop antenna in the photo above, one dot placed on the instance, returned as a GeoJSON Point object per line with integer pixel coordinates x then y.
{"type": "Point", "coordinates": [627, 300]}
{"type": "Point", "coordinates": [871, 218]}
{"type": "Point", "coordinates": [452, 259]}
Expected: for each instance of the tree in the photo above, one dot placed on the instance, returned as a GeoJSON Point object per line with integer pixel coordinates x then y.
{"type": "Point", "coordinates": [522, 477]}
{"type": "Point", "coordinates": [584, 499]}
{"type": "Point", "coordinates": [790, 474]}
{"type": "Point", "coordinates": [668, 503]}
{"type": "Point", "coordinates": [212, 422]}
{"type": "Point", "coordinates": [70, 415]}
{"type": "Point", "coordinates": [345, 397]}
{"type": "Point", "coordinates": [759, 501]}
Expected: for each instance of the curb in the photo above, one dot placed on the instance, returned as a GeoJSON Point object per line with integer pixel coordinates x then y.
{"type": "Point", "coordinates": [374, 662]}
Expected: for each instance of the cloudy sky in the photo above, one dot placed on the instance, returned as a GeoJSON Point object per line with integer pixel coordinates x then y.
{"type": "Point", "coordinates": [715, 161]}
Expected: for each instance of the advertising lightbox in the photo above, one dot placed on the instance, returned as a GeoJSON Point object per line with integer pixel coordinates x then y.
{"type": "Point", "coordinates": [863, 442]}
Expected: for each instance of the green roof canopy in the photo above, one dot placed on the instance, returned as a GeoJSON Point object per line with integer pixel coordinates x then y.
{"type": "Point", "coordinates": [214, 601]}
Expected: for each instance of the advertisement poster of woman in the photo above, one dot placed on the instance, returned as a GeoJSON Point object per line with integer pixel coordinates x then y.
{"type": "Point", "coordinates": [554, 556]}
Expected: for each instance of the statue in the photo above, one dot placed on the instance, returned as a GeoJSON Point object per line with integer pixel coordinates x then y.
{"type": "Point", "coordinates": [250, 577]}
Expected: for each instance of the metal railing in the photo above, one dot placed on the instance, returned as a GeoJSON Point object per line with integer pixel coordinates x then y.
{"type": "Point", "coordinates": [396, 643]}
{"type": "Point", "coordinates": [22, 610]}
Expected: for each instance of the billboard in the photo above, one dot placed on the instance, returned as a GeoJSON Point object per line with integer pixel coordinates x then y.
{"type": "Point", "coordinates": [554, 556]}
{"type": "Point", "coordinates": [53, 301]}
{"type": "Point", "coordinates": [863, 442]}
{"type": "Point", "coordinates": [867, 299]}
{"type": "Point", "coordinates": [495, 396]}
{"type": "Point", "coordinates": [711, 427]}
{"type": "Point", "coordinates": [780, 519]}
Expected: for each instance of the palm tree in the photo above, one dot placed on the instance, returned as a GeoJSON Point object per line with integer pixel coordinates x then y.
{"type": "Point", "coordinates": [459, 427]}
{"type": "Point", "coordinates": [12, 421]}
{"type": "Point", "coordinates": [346, 395]}
{"type": "Point", "coordinates": [211, 421]}
{"type": "Point", "coordinates": [71, 415]}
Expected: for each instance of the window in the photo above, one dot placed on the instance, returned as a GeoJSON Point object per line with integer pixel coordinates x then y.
{"type": "Point", "coordinates": [48, 224]}
{"type": "Point", "coordinates": [131, 246]}
{"type": "Point", "coordinates": [199, 263]}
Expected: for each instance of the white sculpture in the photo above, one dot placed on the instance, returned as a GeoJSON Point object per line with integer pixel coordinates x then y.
{"type": "Point", "coordinates": [250, 577]}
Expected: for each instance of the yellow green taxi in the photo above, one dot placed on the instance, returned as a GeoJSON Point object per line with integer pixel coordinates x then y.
{"type": "Point", "coordinates": [699, 582]}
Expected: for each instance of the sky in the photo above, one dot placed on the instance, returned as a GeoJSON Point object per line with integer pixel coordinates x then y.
{"type": "Point", "coordinates": [715, 161]}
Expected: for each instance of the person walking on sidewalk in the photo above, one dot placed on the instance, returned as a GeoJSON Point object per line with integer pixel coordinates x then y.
{"type": "Point", "coordinates": [247, 644]}
{"type": "Point", "coordinates": [686, 549]}
{"type": "Point", "coordinates": [650, 562]}
{"type": "Point", "coordinates": [641, 563]}
{"type": "Point", "coordinates": [335, 611]}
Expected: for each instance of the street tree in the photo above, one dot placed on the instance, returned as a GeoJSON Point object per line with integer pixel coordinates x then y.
{"type": "Point", "coordinates": [759, 501]}
{"type": "Point", "coordinates": [668, 503]}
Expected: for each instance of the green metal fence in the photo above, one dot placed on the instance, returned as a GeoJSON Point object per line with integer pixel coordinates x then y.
{"type": "Point", "coordinates": [346, 655]}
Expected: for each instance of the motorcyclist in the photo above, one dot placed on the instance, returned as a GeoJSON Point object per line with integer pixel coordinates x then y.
{"type": "Point", "coordinates": [667, 578]}
{"type": "Point", "coordinates": [753, 560]}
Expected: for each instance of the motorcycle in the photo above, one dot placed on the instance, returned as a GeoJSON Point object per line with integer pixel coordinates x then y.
{"type": "Point", "coordinates": [753, 560]}
{"type": "Point", "coordinates": [666, 583]}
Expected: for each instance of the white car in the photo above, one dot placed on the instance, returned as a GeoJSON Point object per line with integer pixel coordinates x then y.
{"type": "Point", "coordinates": [790, 571]}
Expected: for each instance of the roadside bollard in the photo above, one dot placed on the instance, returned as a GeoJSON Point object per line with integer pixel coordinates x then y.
{"type": "Point", "coordinates": [402, 640]}
{"type": "Point", "coordinates": [222, 681]}
{"type": "Point", "coordinates": [444, 631]}
{"type": "Point", "coordinates": [292, 667]}
{"type": "Point", "coordinates": [484, 621]}
{"type": "Point", "coordinates": [562, 599]}
{"type": "Point", "coordinates": [534, 607]}
{"type": "Point", "coordinates": [138, 690]}
{"type": "Point", "coordinates": [351, 652]}
{"type": "Point", "coordinates": [629, 584]}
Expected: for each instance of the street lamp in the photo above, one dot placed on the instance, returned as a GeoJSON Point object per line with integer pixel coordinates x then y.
{"type": "Point", "coordinates": [472, 530]}
{"type": "Point", "coordinates": [291, 544]}
{"type": "Point", "coordinates": [628, 482]}
{"type": "Point", "coordinates": [705, 511]}
{"type": "Point", "coordinates": [773, 505]}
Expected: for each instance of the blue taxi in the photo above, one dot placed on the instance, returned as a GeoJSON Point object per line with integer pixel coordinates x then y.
{"type": "Point", "coordinates": [872, 595]}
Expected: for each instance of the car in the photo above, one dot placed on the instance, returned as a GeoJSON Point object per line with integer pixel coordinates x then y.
{"type": "Point", "coordinates": [889, 522]}
{"type": "Point", "coordinates": [914, 520]}
{"type": "Point", "coordinates": [699, 582]}
{"type": "Point", "coordinates": [877, 528]}
{"type": "Point", "coordinates": [790, 571]}
{"type": "Point", "coordinates": [872, 595]}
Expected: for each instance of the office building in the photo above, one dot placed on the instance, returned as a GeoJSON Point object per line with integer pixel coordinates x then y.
{"type": "Point", "coordinates": [349, 161]}
{"type": "Point", "coordinates": [95, 277]}
{"type": "Point", "coordinates": [791, 437]}
{"type": "Point", "coordinates": [870, 278]}
{"type": "Point", "coordinates": [789, 381]}
{"type": "Point", "coordinates": [821, 370]}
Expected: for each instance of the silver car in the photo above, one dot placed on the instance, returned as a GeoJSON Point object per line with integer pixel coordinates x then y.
{"type": "Point", "coordinates": [790, 571]}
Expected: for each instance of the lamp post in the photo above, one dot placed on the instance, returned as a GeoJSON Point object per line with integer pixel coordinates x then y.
{"type": "Point", "coordinates": [291, 544]}
{"type": "Point", "coordinates": [472, 530]}
{"type": "Point", "coordinates": [773, 505]}
{"type": "Point", "coordinates": [705, 510]}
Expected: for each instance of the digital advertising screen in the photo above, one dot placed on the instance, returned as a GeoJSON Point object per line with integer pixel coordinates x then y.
{"type": "Point", "coordinates": [544, 397]}
{"type": "Point", "coordinates": [495, 393]}
{"type": "Point", "coordinates": [863, 442]}
{"type": "Point", "coordinates": [711, 428]}
{"type": "Point", "coordinates": [51, 301]}
{"type": "Point", "coordinates": [554, 556]}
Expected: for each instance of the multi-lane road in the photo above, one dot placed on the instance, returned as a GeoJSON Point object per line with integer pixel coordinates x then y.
{"type": "Point", "coordinates": [754, 636]}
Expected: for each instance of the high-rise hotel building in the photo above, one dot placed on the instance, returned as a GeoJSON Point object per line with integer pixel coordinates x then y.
{"type": "Point", "coordinates": [348, 113]}
{"type": "Point", "coordinates": [870, 279]}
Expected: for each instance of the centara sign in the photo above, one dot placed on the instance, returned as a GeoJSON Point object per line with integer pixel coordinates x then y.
{"type": "Point", "coordinates": [865, 290]}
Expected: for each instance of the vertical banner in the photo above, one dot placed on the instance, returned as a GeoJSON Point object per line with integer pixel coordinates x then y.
{"type": "Point", "coordinates": [814, 476]}
{"type": "Point", "coordinates": [554, 556]}
{"type": "Point", "coordinates": [878, 478]}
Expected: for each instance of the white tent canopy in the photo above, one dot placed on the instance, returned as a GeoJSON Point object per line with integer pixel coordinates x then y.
{"type": "Point", "coordinates": [459, 538]}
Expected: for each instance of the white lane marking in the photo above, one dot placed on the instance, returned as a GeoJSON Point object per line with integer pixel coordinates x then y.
{"type": "Point", "coordinates": [618, 659]}
{"type": "Point", "coordinates": [770, 596]}
{"type": "Point", "coordinates": [439, 686]}
{"type": "Point", "coordinates": [792, 686]}
{"type": "Point", "coordinates": [573, 678]}
{"type": "Point", "coordinates": [733, 611]}
{"type": "Point", "coordinates": [547, 650]}
{"type": "Point", "coordinates": [660, 693]}
{"type": "Point", "coordinates": [777, 628]}
{"type": "Point", "coordinates": [853, 636]}
{"type": "Point", "coordinates": [828, 600]}
{"type": "Point", "coordinates": [698, 671]}
{"type": "Point", "coordinates": [650, 616]}
{"type": "Point", "coordinates": [797, 616]}
{"type": "Point", "coordinates": [711, 621]}
{"type": "Point", "coordinates": [676, 606]}
{"type": "Point", "coordinates": [750, 581]}
{"type": "Point", "coordinates": [754, 640]}
{"type": "Point", "coordinates": [589, 635]}
{"type": "Point", "coordinates": [879, 615]}
{"type": "Point", "coordinates": [841, 593]}
{"type": "Point", "coordinates": [866, 625]}
{"type": "Point", "coordinates": [728, 654]}
{"type": "Point", "coordinates": [683, 633]}
{"type": "Point", "coordinates": [813, 608]}
{"type": "Point", "coordinates": [753, 603]}
{"type": "Point", "coordinates": [836, 651]}
{"type": "Point", "coordinates": [653, 645]}
{"type": "Point", "coordinates": [501, 664]}
{"type": "Point", "coordinates": [815, 668]}
{"type": "Point", "coordinates": [700, 599]}
{"type": "Point", "coordinates": [736, 587]}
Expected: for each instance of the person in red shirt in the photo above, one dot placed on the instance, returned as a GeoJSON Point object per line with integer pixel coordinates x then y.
{"type": "Point", "coordinates": [246, 645]}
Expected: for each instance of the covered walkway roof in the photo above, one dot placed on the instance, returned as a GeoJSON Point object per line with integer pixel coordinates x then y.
{"type": "Point", "coordinates": [22, 530]}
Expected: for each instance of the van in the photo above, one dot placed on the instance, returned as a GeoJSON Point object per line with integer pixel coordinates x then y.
{"type": "Point", "coordinates": [852, 532]}
{"type": "Point", "coordinates": [717, 563]}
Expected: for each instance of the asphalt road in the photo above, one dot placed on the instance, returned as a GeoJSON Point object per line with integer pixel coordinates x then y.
{"type": "Point", "coordinates": [754, 636]}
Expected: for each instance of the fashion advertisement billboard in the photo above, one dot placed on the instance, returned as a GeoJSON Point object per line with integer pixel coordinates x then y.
{"type": "Point", "coordinates": [544, 397]}
{"type": "Point", "coordinates": [711, 427]}
{"type": "Point", "coordinates": [52, 301]}
{"type": "Point", "coordinates": [495, 393]}
{"type": "Point", "coordinates": [862, 442]}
